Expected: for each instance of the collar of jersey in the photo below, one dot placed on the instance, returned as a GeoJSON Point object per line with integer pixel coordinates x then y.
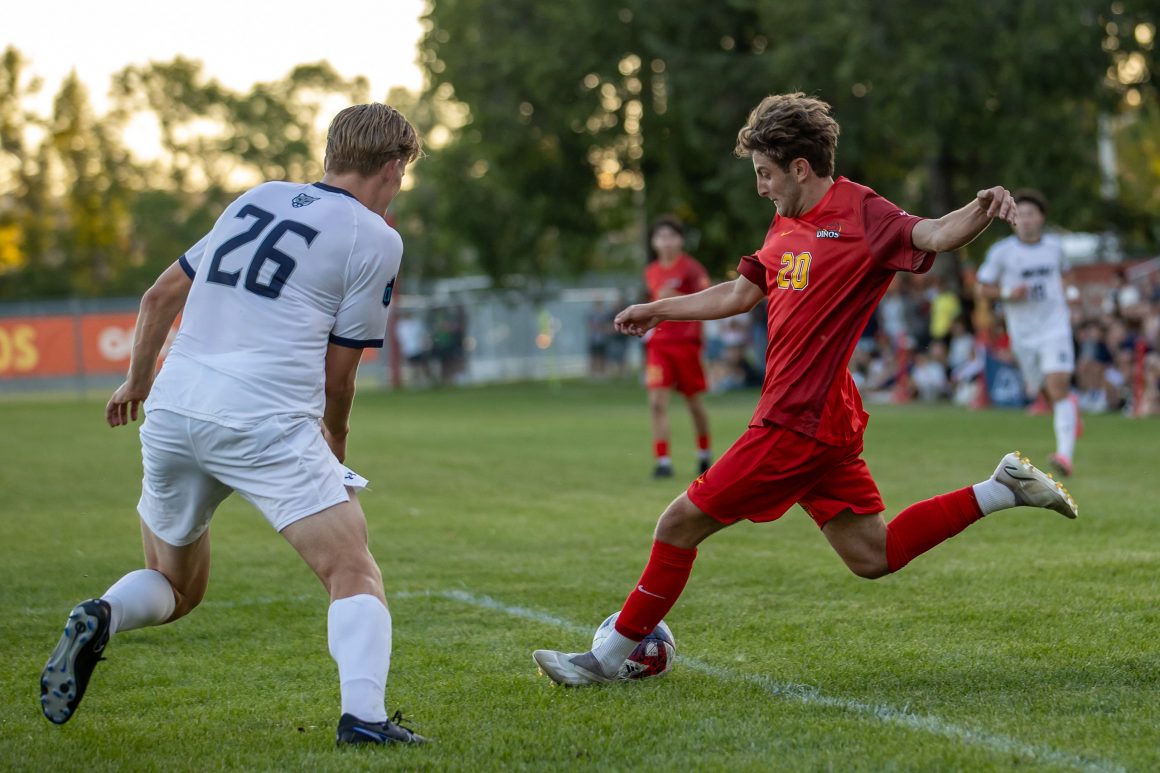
{"type": "Point", "coordinates": [334, 189]}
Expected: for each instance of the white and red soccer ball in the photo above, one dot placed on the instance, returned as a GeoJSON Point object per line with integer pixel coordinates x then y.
{"type": "Point", "coordinates": [652, 657]}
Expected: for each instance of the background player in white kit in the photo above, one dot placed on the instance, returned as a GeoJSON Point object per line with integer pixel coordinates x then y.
{"type": "Point", "coordinates": [1028, 272]}
{"type": "Point", "coordinates": [279, 301]}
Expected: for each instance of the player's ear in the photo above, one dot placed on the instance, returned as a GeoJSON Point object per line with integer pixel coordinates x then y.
{"type": "Point", "coordinates": [390, 168]}
{"type": "Point", "coordinates": [800, 169]}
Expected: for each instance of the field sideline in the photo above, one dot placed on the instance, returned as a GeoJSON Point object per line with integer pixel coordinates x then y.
{"type": "Point", "coordinates": [510, 518]}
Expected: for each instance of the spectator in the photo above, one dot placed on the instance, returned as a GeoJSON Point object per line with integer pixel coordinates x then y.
{"type": "Point", "coordinates": [415, 347]}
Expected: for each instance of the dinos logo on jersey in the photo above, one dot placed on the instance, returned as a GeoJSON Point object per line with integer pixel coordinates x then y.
{"type": "Point", "coordinates": [833, 232]}
{"type": "Point", "coordinates": [302, 200]}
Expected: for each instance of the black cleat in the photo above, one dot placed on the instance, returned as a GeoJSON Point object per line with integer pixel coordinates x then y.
{"type": "Point", "coordinates": [353, 731]}
{"type": "Point", "coordinates": [704, 465]}
{"type": "Point", "coordinates": [66, 675]}
{"type": "Point", "coordinates": [663, 470]}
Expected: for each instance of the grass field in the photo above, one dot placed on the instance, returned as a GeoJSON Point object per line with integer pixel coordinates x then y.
{"type": "Point", "coordinates": [507, 519]}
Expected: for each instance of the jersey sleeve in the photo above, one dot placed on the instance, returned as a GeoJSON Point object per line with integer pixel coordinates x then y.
{"type": "Point", "coordinates": [193, 256]}
{"type": "Point", "coordinates": [752, 269]}
{"type": "Point", "coordinates": [888, 231]}
{"type": "Point", "coordinates": [361, 321]}
{"type": "Point", "coordinates": [992, 269]}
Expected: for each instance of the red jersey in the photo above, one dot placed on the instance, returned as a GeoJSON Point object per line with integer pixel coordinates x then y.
{"type": "Point", "coordinates": [685, 276]}
{"type": "Point", "coordinates": [824, 274]}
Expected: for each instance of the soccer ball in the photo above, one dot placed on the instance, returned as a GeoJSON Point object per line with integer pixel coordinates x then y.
{"type": "Point", "coordinates": [652, 657]}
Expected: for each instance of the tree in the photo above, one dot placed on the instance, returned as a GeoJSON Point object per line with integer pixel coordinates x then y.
{"type": "Point", "coordinates": [639, 115]}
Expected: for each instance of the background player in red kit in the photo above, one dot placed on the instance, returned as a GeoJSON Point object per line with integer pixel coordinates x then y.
{"type": "Point", "coordinates": [828, 257]}
{"type": "Point", "coordinates": [673, 349]}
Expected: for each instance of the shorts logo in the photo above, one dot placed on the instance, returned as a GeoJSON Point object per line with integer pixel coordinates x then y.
{"type": "Point", "coordinates": [302, 200]}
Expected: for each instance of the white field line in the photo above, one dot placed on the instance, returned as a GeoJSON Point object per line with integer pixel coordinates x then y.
{"type": "Point", "coordinates": [802, 693]}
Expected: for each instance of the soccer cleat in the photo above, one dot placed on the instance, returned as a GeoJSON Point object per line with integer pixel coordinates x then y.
{"type": "Point", "coordinates": [663, 470]}
{"type": "Point", "coordinates": [573, 669]}
{"type": "Point", "coordinates": [1061, 464]}
{"type": "Point", "coordinates": [704, 465]}
{"type": "Point", "coordinates": [353, 731]}
{"type": "Point", "coordinates": [66, 675]}
{"type": "Point", "coordinates": [1032, 487]}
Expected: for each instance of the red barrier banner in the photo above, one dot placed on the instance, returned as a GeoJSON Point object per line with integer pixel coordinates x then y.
{"type": "Point", "coordinates": [66, 345]}
{"type": "Point", "coordinates": [37, 347]}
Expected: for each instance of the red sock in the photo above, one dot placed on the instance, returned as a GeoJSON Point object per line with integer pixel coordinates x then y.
{"type": "Point", "coordinates": [925, 524]}
{"type": "Point", "coordinates": [703, 442]}
{"type": "Point", "coordinates": [660, 448]}
{"type": "Point", "coordinates": [660, 585]}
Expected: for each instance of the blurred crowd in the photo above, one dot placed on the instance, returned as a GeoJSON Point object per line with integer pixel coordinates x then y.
{"type": "Point", "coordinates": [933, 340]}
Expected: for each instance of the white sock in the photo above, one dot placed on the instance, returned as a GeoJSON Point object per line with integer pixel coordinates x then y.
{"type": "Point", "coordinates": [704, 454]}
{"type": "Point", "coordinates": [1065, 422]}
{"type": "Point", "coordinates": [139, 599]}
{"type": "Point", "coordinates": [664, 461]}
{"type": "Point", "coordinates": [993, 495]}
{"type": "Point", "coordinates": [359, 629]}
{"type": "Point", "coordinates": [613, 651]}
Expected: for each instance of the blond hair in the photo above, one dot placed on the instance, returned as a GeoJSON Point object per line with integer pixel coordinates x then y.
{"type": "Point", "coordinates": [789, 126]}
{"type": "Point", "coordinates": [362, 138]}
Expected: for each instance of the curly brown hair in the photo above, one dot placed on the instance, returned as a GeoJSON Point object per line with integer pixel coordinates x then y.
{"type": "Point", "coordinates": [362, 138]}
{"type": "Point", "coordinates": [789, 126]}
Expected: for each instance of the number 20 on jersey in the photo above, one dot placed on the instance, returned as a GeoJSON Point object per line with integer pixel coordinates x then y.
{"type": "Point", "coordinates": [794, 273]}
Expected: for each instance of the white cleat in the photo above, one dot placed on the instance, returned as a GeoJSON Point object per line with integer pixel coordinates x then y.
{"type": "Point", "coordinates": [562, 668]}
{"type": "Point", "coordinates": [1033, 487]}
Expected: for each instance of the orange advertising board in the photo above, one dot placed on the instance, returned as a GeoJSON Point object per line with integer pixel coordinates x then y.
{"type": "Point", "coordinates": [41, 347]}
{"type": "Point", "coordinates": [93, 344]}
{"type": "Point", "coordinates": [60, 346]}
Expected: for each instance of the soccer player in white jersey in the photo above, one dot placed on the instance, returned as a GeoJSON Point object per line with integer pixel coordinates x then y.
{"type": "Point", "coordinates": [279, 301]}
{"type": "Point", "coordinates": [1029, 273]}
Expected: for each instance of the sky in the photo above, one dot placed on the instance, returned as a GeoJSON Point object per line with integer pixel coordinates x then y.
{"type": "Point", "coordinates": [240, 42]}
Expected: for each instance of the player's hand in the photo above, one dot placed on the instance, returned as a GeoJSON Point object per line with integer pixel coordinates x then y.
{"type": "Point", "coordinates": [125, 404]}
{"type": "Point", "coordinates": [636, 320]}
{"type": "Point", "coordinates": [337, 443]}
{"type": "Point", "coordinates": [1017, 293]}
{"type": "Point", "coordinates": [997, 202]}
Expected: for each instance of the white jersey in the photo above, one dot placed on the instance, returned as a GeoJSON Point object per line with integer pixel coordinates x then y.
{"type": "Point", "coordinates": [287, 269]}
{"type": "Point", "coordinates": [1043, 313]}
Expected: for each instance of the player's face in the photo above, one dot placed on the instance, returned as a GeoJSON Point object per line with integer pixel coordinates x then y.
{"type": "Point", "coordinates": [667, 242]}
{"type": "Point", "coordinates": [777, 185]}
{"type": "Point", "coordinates": [1029, 225]}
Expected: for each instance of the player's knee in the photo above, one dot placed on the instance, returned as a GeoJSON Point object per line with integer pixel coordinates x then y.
{"type": "Point", "coordinates": [185, 602]}
{"type": "Point", "coordinates": [868, 567]}
{"type": "Point", "coordinates": [354, 578]}
{"type": "Point", "coordinates": [683, 525]}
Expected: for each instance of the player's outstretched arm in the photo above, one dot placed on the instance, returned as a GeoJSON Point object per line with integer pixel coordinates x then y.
{"type": "Point", "coordinates": [959, 228]}
{"type": "Point", "coordinates": [716, 302]}
{"type": "Point", "coordinates": [160, 306]}
{"type": "Point", "coordinates": [341, 369]}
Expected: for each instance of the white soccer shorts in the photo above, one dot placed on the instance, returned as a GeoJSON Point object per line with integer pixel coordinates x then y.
{"type": "Point", "coordinates": [282, 466]}
{"type": "Point", "coordinates": [1050, 355]}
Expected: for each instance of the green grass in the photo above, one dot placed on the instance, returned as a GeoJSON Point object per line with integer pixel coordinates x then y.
{"type": "Point", "coordinates": [1028, 641]}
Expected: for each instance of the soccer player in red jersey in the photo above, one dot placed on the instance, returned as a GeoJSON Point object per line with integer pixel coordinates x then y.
{"type": "Point", "coordinates": [831, 251]}
{"type": "Point", "coordinates": [673, 349]}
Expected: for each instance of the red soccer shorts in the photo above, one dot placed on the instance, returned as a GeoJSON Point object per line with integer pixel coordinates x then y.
{"type": "Point", "coordinates": [771, 468]}
{"type": "Point", "coordinates": [674, 366]}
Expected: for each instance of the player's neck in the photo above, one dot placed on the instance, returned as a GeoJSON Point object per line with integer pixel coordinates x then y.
{"type": "Point", "coordinates": [813, 191]}
{"type": "Point", "coordinates": [668, 259]}
{"type": "Point", "coordinates": [368, 190]}
{"type": "Point", "coordinates": [1030, 239]}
